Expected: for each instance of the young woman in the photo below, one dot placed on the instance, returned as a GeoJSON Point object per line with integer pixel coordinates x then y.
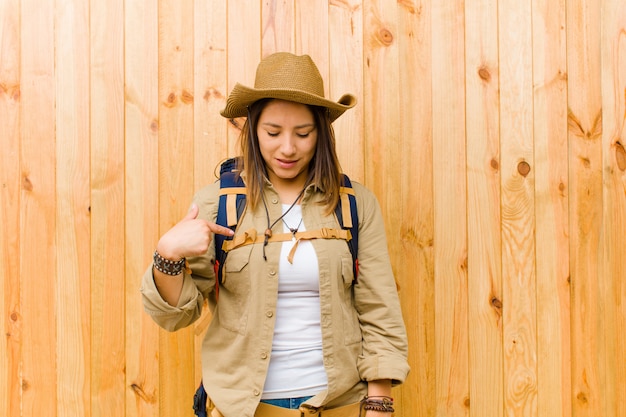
{"type": "Point", "coordinates": [292, 329]}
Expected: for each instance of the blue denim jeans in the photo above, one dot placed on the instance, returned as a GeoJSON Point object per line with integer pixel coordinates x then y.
{"type": "Point", "coordinates": [293, 403]}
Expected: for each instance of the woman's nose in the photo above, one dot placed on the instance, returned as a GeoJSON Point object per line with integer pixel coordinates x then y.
{"type": "Point", "coordinates": [288, 144]}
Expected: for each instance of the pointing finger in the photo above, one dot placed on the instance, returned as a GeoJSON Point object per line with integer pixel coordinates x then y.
{"type": "Point", "coordinates": [221, 230]}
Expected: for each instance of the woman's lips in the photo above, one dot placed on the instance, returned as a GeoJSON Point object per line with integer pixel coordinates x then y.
{"type": "Point", "coordinates": [286, 164]}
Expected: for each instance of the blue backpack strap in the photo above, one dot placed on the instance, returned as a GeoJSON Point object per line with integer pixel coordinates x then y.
{"type": "Point", "coordinates": [232, 201]}
{"type": "Point", "coordinates": [348, 217]}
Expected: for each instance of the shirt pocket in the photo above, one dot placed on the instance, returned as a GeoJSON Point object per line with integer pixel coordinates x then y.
{"type": "Point", "coordinates": [351, 326]}
{"type": "Point", "coordinates": [232, 304]}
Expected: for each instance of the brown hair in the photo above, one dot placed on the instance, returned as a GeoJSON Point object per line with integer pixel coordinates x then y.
{"type": "Point", "coordinates": [324, 168]}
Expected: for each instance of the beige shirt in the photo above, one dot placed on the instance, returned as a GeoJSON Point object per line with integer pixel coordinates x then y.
{"type": "Point", "coordinates": [363, 333]}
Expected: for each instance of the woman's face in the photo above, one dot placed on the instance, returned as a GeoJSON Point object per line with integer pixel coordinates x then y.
{"type": "Point", "coordinates": [287, 141]}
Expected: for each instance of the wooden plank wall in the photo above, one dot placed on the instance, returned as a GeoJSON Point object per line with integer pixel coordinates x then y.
{"type": "Point", "coordinates": [491, 131]}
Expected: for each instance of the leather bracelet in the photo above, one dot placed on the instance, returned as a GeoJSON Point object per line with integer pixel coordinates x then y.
{"type": "Point", "coordinates": [167, 266]}
{"type": "Point", "coordinates": [384, 404]}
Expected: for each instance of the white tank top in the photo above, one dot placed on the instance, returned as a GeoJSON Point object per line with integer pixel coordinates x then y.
{"type": "Point", "coordinates": [296, 367]}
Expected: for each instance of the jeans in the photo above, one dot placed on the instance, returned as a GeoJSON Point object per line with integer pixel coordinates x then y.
{"type": "Point", "coordinates": [293, 403]}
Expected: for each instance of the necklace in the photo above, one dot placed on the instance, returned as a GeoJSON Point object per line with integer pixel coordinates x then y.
{"type": "Point", "coordinates": [291, 229]}
{"type": "Point", "coordinates": [268, 231]}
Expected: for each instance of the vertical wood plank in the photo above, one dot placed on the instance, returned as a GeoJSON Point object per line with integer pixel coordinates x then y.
{"type": "Point", "coordinates": [415, 272]}
{"type": "Point", "coordinates": [210, 46]}
{"type": "Point", "coordinates": [141, 200]}
{"type": "Point", "coordinates": [311, 35]}
{"type": "Point", "coordinates": [107, 208]}
{"type": "Point", "coordinates": [243, 55]}
{"type": "Point", "coordinates": [613, 281]}
{"type": "Point", "coordinates": [483, 209]}
{"type": "Point", "coordinates": [38, 163]}
{"type": "Point", "coordinates": [72, 215]}
{"type": "Point", "coordinates": [345, 28]}
{"type": "Point", "coordinates": [552, 251]}
{"type": "Point", "coordinates": [210, 135]}
{"type": "Point", "coordinates": [381, 101]}
{"type": "Point", "coordinates": [585, 209]}
{"type": "Point", "coordinates": [277, 26]}
{"type": "Point", "coordinates": [518, 208]}
{"type": "Point", "coordinates": [10, 319]}
{"type": "Point", "coordinates": [449, 195]}
{"type": "Point", "coordinates": [175, 182]}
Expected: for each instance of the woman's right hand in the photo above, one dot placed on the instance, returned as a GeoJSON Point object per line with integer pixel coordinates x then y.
{"type": "Point", "coordinates": [189, 237]}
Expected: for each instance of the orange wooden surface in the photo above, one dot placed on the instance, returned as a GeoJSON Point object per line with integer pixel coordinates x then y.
{"type": "Point", "coordinates": [491, 132]}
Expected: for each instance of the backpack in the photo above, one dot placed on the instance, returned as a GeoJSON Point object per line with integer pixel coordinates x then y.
{"type": "Point", "coordinates": [232, 201]}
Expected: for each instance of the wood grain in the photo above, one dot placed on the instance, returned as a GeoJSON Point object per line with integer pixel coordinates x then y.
{"type": "Point", "coordinates": [414, 264]}
{"type": "Point", "coordinates": [141, 201]}
{"type": "Point", "coordinates": [278, 26]}
{"type": "Point", "coordinates": [176, 97]}
{"type": "Point", "coordinates": [210, 128]}
{"type": "Point", "coordinates": [108, 370]}
{"type": "Point", "coordinates": [552, 242]}
{"type": "Point", "coordinates": [612, 284]}
{"type": "Point", "coordinates": [450, 199]}
{"type": "Point", "coordinates": [585, 208]}
{"type": "Point", "coordinates": [345, 75]}
{"type": "Point", "coordinates": [483, 208]}
{"type": "Point", "coordinates": [243, 55]}
{"type": "Point", "coordinates": [37, 255]}
{"type": "Point", "coordinates": [73, 191]}
{"type": "Point", "coordinates": [518, 208]}
{"type": "Point", "coordinates": [491, 132]}
{"type": "Point", "coordinates": [10, 283]}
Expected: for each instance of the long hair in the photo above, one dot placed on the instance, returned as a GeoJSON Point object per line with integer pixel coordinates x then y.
{"type": "Point", "coordinates": [324, 168]}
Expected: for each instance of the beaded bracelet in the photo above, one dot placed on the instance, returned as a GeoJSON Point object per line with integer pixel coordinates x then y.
{"type": "Point", "coordinates": [378, 403]}
{"type": "Point", "coordinates": [167, 266]}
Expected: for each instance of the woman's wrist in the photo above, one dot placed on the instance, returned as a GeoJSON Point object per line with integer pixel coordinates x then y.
{"type": "Point", "coordinates": [380, 403]}
{"type": "Point", "coordinates": [168, 266]}
{"type": "Point", "coordinates": [378, 397]}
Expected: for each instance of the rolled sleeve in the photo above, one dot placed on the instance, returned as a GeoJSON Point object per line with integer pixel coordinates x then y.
{"type": "Point", "coordinates": [385, 348]}
{"type": "Point", "coordinates": [170, 317]}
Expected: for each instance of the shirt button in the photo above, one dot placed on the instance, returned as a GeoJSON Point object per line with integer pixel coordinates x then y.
{"type": "Point", "coordinates": [256, 392]}
{"type": "Point", "coordinates": [272, 272]}
{"type": "Point", "coordinates": [264, 355]}
{"type": "Point", "coordinates": [269, 313]}
{"type": "Point", "coordinates": [274, 200]}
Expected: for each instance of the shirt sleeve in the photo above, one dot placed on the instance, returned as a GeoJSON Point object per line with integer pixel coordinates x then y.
{"type": "Point", "coordinates": [385, 347]}
{"type": "Point", "coordinates": [197, 286]}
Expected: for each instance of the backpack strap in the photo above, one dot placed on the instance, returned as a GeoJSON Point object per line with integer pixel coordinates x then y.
{"type": "Point", "coordinates": [348, 218]}
{"type": "Point", "coordinates": [232, 201]}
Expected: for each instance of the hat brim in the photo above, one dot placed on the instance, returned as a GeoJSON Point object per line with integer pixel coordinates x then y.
{"type": "Point", "coordinates": [241, 97]}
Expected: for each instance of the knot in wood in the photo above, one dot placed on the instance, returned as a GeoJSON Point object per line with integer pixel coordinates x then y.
{"type": "Point", "coordinates": [27, 185]}
{"type": "Point", "coordinates": [170, 101]}
{"type": "Point", "coordinates": [186, 97]}
{"type": "Point", "coordinates": [523, 168]}
{"type": "Point", "coordinates": [620, 156]}
{"type": "Point", "coordinates": [385, 36]}
{"type": "Point", "coordinates": [484, 74]}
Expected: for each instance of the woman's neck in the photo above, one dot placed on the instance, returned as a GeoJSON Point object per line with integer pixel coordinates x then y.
{"type": "Point", "coordinates": [289, 190]}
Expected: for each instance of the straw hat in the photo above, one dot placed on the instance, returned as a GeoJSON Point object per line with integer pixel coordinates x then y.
{"type": "Point", "coordinates": [287, 77]}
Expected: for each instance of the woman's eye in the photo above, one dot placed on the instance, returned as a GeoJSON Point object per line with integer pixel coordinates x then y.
{"type": "Point", "coordinates": [272, 134]}
{"type": "Point", "coordinates": [304, 135]}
